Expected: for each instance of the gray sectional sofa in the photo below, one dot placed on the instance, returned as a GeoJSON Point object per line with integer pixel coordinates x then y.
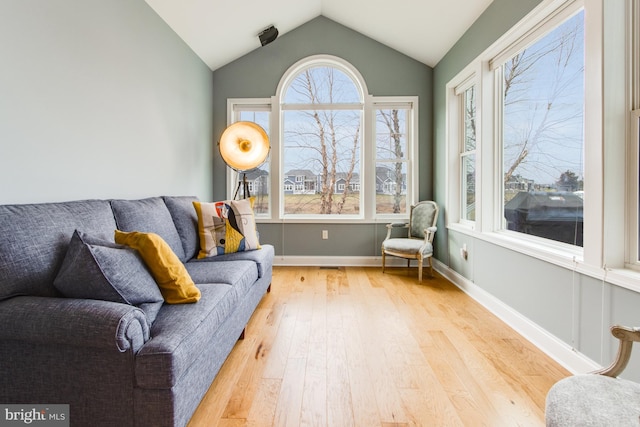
{"type": "Point", "coordinates": [108, 360]}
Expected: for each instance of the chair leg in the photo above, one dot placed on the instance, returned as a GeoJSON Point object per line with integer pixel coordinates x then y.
{"type": "Point", "coordinates": [420, 270]}
{"type": "Point", "coordinates": [383, 255]}
{"type": "Point", "coordinates": [408, 262]}
{"type": "Point", "coordinates": [431, 266]}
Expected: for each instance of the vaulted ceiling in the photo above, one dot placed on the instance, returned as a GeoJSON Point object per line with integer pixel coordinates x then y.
{"type": "Point", "coordinates": [220, 31]}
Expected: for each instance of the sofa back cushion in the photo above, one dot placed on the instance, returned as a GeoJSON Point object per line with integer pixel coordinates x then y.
{"type": "Point", "coordinates": [35, 238]}
{"type": "Point", "coordinates": [148, 216]}
{"type": "Point", "coordinates": [186, 222]}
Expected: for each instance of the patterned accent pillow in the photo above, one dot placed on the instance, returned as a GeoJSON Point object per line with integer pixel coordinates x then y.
{"type": "Point", "coordinates": [96, 268]}
{"type": "Point", "coordinates": [226, 227]}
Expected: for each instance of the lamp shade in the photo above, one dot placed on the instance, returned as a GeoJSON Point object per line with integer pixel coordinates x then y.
{"type": "Point", "coordinates": [244, 146]}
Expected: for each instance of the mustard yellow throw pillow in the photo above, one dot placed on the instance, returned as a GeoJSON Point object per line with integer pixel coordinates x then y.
{"type": "Point", "coordinates": [226, 227]}
{"type": "Point", "coordinates": [172, 277]}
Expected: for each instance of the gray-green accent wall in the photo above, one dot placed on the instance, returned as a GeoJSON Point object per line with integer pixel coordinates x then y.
{"type": "Point", "coordinates": [386, 72]}
{"type": "Point", "coordinates": [99, 99]}
{"type": "Point", "coordinates": [576, 308]}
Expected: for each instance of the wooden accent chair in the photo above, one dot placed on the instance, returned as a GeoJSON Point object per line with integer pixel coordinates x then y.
{"type": "Point", "coordinates": [418, 244]}
{"type": "Point", "coordinates": [598, 398]}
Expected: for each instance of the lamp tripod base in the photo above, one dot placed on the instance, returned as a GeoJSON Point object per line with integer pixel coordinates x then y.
{"type": "Point", "coordinates": [245, 188]}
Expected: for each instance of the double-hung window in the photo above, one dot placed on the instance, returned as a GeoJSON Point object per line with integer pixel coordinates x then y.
{"type": "Point", "coordinates": [393, 135]}
{"type": "Point", "coordinates": [462, 135]}
{"type": "Point", "coordinates": [259, 182]}
{"type": "Point", "coordinates": [541, 91]}
{"type": "Point", "coordinates": [468, 155]}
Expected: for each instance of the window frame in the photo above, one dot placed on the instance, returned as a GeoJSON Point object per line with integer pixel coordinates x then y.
{"type": "Point", "coordinates": [632, 254]}
{"type": "Point", "coordinates": [633, 165]}
{"type": "Point", "coordinates": [276, 166]}
{"type": "Point", "coordinates": [285, 83]}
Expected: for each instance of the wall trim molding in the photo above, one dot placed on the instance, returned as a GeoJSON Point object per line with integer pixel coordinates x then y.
{"type": "Point", "coordinates": [558, 350]}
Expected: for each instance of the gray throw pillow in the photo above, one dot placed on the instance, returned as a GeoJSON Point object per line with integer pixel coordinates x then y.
{"type": "Point", "coordinates": [96, 268]}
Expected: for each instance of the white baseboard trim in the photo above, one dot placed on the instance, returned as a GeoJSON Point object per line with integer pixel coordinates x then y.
{"type": "Point", "coordinates": [574, 361]}
{"type": "Point", "coordinates": [337, 261]}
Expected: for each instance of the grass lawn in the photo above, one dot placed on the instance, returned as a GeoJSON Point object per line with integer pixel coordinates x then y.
{"type": "Point", "coordinates": [309, 204]}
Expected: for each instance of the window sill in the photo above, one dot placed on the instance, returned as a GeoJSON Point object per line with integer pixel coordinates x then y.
{"type": "Point", "coordinates": [560, 255]}
{"type": "Point", "coordinates": [331, 220]}
{"type": "Point", "coordinates": [625, 278]}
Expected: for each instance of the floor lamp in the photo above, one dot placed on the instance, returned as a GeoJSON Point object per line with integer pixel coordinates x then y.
{"type": "Point", "coordinates": [244, 146]}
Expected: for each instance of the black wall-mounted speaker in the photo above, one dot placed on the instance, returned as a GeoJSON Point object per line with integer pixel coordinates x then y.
{"type": "Point", "coordinates": [268, 35]}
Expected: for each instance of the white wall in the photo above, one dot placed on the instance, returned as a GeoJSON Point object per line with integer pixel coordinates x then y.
{"type": "Point", "coordinates": [99, 99]}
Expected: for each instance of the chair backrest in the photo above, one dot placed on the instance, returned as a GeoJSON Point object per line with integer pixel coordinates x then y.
{"type": "Point", "coordinates": [423, 215]}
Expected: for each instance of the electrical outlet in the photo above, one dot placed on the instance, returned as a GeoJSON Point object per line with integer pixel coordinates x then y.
{"type": "Point", "coordinates": [325, 234]}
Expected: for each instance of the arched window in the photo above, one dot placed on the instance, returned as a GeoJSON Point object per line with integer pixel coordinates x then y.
{"type": "Point", "coordinates": [337, 152]}
{"type": "Point", "coordinates": [321, 115]}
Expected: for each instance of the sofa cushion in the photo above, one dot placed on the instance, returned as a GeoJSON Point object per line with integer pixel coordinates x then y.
{"type": "Point", "coordinates": [186, 222]}
{"type": "Point", "coordinates": [178, 335]}
{"type": "Point", "coordinates": [263, 258]}
{"type": "Point", "coordinates": [35, 238]}
{"type": "Point", "coordinates": [95, 268]}
{"type": "Point", "coordinates": [150, 216]}
{"type": "Point", "coordinates": [239, 274]}
{"type": "Point", "coordinates": [172, 278]}
{"type": "Point", "coordinates": [226, 227]}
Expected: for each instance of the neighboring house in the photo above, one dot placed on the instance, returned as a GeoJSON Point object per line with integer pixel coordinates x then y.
{"type": "Point", "coordinates": [303, 181]}
{"type": "Point", "coordinates": [386, 182]}
{"type": "Point", "coordinates": [300, 181]}
{"type": "Point", "coordinates": [341, 182]}
{"type": "Point", "coordinates": [257, 179]}
{"type": "Point", "coordinates": [518, 183]}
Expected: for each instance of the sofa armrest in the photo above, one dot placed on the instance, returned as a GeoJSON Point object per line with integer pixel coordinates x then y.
{"type": "Point", "coordinates": [73, 322]}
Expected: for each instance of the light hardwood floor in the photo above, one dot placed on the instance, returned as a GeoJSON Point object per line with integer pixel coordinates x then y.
{"type": "Point", "coordinates": [356, 347]}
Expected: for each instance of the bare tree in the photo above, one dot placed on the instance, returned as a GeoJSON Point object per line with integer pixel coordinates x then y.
{"type": "Point", "coordinates": [392, 120]}
{"type": "Point", "coordinates": [349, 175]}
{"type": "Point", "coordinates": [469, 164]}
{"type": "Point", "coordinates": [329, 141]}
{"type": "Point", "coordinates": [547, 115]}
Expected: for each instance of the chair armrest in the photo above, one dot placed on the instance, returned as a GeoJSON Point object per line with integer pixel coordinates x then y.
{"type": "Point", "coordinates": [627, 336]}
{"type": "Point", "coordinates": [393, 225]}
{"type": "Point", "coordinates": [429, 233]}
{"type": "Point", "coordinates": [398, 225]}
{"type": "Point", "coordinates": [73, 322]}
